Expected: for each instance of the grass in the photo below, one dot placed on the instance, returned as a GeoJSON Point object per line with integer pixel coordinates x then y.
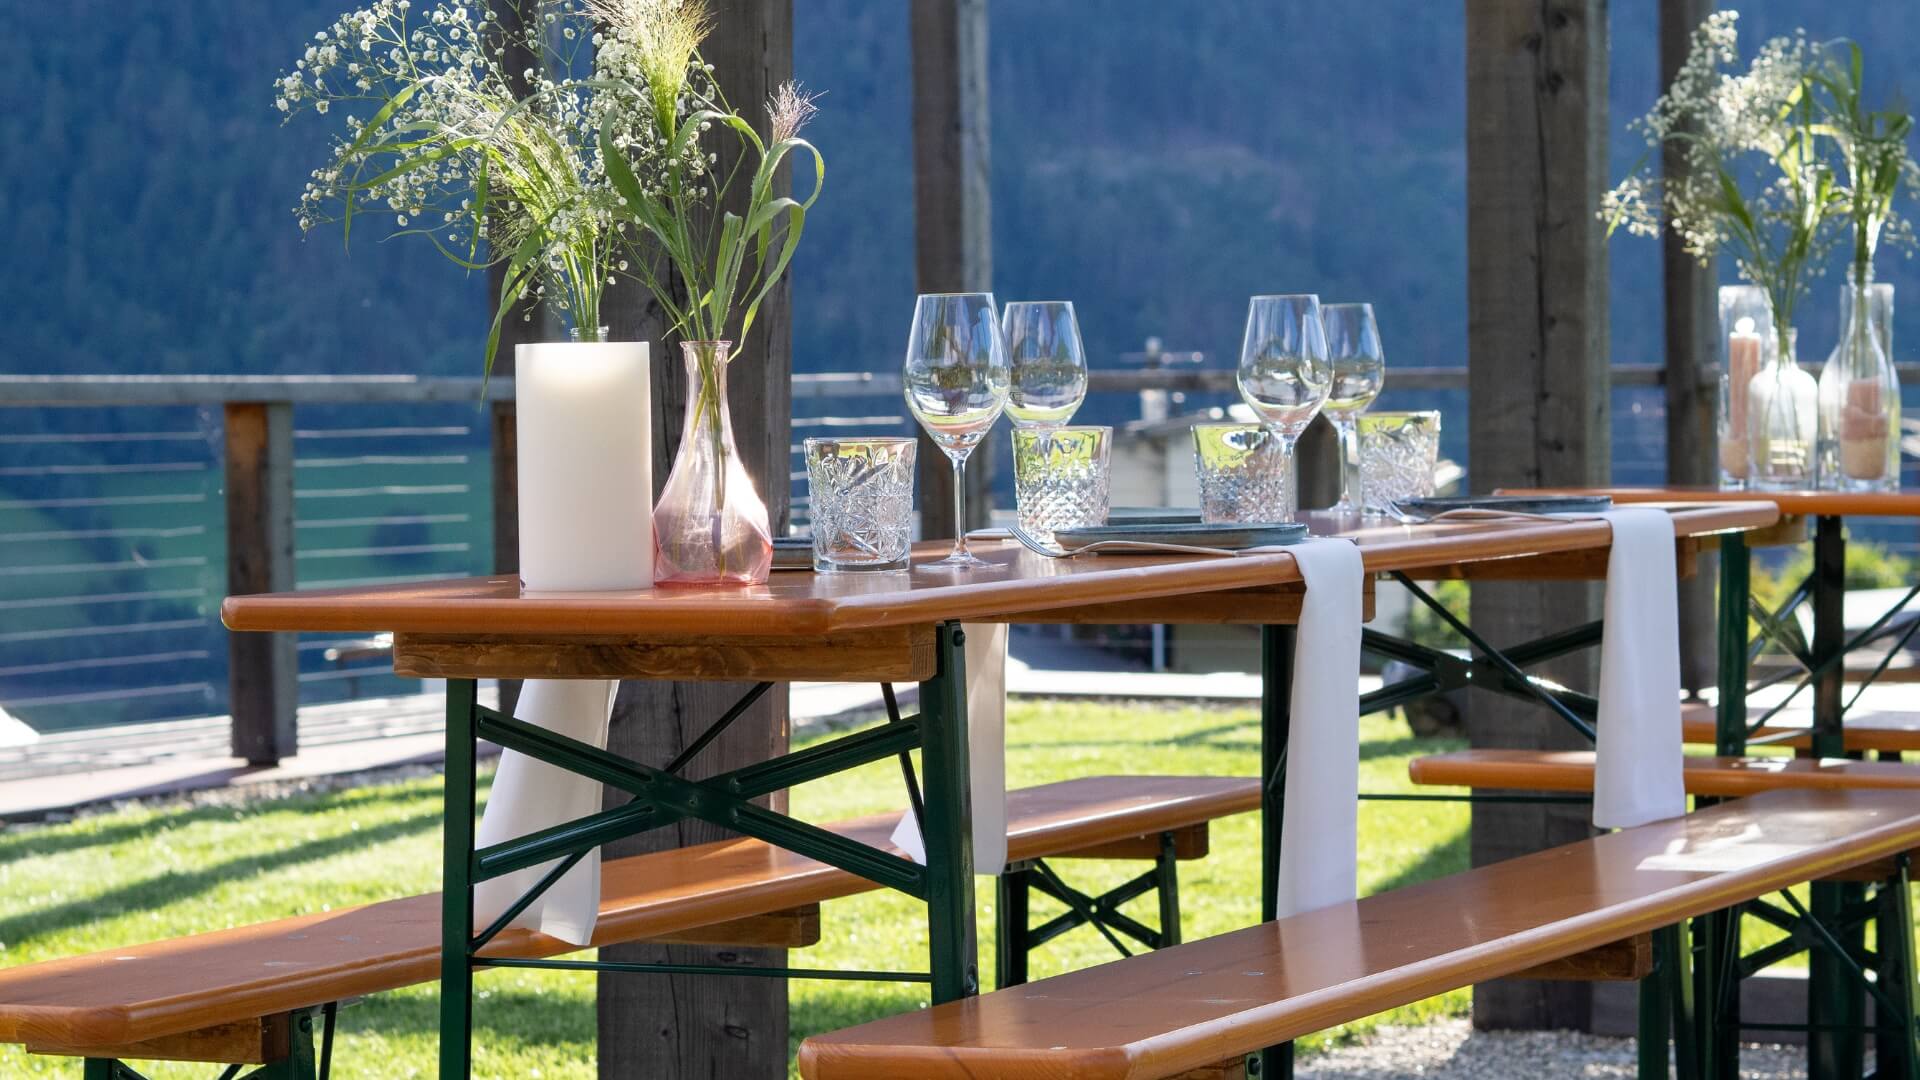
{"type": "Point", "coordinates": [140, 874]}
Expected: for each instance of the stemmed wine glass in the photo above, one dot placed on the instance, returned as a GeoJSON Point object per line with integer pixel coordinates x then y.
{"type": "Point", "coordinates": [1359, 370]}
{"type": "Point", "coordinates": [1284, 375]}
{"type": "Point", "coordinates": [1049, 366]}
{"type": "Point", "coordinates": [956, 378]}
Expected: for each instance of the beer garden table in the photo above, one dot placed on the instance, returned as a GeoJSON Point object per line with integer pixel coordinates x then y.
{"type": "Point", "coordinates": [852, 627]}
{"type": "Point", "coordinates": [1823, 663]}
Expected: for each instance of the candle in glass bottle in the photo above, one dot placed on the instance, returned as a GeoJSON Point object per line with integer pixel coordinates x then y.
{"type": "Point", "coordinates": [1743, 362]}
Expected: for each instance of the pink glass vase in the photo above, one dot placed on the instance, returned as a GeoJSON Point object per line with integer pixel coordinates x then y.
{"type": "Point", "coordinates": [710, 527]}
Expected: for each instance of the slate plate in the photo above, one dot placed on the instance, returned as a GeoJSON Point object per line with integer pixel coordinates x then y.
{"type": "Point", "coordinates": [793, 553]}
{"type": "Point", "coordinates": [1233, 537]}
{"type": "Point", "coordinates": [1153, 515]}
{"type": "Point", "coordinates": [1513, 504]}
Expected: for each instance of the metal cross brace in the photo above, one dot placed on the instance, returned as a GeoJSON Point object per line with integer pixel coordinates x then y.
{"type": "Point", "coordinates": [725, 800]}
{"type": "Point", "coordinates": [1492, 669]}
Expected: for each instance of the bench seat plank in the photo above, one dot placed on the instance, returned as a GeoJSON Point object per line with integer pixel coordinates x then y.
{"type": "Point", "coordinates": [1204, 1002]}
{"type": "Point", "coordinates": [1718, 777]}
{"type": "Point", "coordinates": [1866, 728]}
{"type": "Point", "coordinates": [126, 996]}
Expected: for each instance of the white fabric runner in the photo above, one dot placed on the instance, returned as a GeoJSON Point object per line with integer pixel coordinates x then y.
{"type": "Point", "coordinates": [1637, 756]}
{"type": "Point", "coordinates": [531, 795]}
{"type": "Point", "coordinates": [986, 660]}
{"type": "Point", "coordinates": [1318, 837]}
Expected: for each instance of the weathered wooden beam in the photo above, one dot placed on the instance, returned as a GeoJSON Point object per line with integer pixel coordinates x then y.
{"type": "Point", "coordinates": [1691, 315]}
{"type": "Point", "coordinates": [263, 670]}
{"type": "Point", "coordinates": [672, 1025]}
{"type": "Point", "coordinates": [953, 210]}
{"type": "Point", "coordinates": [1537, 373]}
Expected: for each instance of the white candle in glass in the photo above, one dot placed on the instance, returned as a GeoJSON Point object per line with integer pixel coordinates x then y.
{"type": "Point", "coordinates": [1743, 363]}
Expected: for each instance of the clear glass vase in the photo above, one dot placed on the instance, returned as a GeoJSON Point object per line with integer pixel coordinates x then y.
{"type": "Point", "coordinates": [1782, 419]}
{"type": "Point", "coordinates": [1860, 394]}
{"type": "Point", "coordinates": [710, 526]}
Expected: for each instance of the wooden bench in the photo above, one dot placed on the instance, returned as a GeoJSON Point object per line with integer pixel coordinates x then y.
{"type": "Point", "coordinates": [1205, 1005]}
{"type": "Point", "coordinates": [249, 994]}
{"type": "Point", "coordinates": [1713, 777]}
{"type": "Point", "coordinates": [1867, 730]}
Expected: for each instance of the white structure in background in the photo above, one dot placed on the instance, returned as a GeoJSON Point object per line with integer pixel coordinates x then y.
{"type": "Point", "coordinates": [16, 732]}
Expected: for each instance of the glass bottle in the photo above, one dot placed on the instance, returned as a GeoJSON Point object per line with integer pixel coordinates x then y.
{"type": "Point", "coordinates": [1860, 393]}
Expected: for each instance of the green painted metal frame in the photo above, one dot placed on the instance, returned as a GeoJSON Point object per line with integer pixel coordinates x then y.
{"type": "Point", "coordinates": [1276, 726]}
{"type": "Point", "coordinates": [303, 1061]}
{"type": "Point", "coordinates": [1832, 928]}
{"type": "Point", "coordinates": [659, 797]}
{"type": "Point", "coordinates": [1015, 937]}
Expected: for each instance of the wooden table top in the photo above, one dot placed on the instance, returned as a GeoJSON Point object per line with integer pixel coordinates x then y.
{"type": "Point", "coordinates": [796, 604]}
{"type": "Point", "coordinates": [1902, 503]}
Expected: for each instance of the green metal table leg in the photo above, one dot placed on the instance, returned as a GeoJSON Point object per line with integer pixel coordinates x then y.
{"type": "Point", "coordinates": [1716, 990]}
{"type": "Point", "coordinates": [1735, 576]}
{"type": "Point", "coordinates": [1652, 1032]}
{"type": "Point", "coordinates": [948, 826]}
{"type": "Point", "coordinates": [1834, 998]}
{"type": "Point", "coordinates": [1897, 1040]}
{"type": "Point", "coordinates": [1010, 914]}
{"type": "Point", "coordinates": [456, 897]}
{"type": "Point", "coordinates": [1276, 692]}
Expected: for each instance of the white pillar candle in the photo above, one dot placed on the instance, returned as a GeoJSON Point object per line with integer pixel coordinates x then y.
{"type": "Point", "coordinates": [583, 416]}
{"type": "Point", "coordinates": [1743, 362]}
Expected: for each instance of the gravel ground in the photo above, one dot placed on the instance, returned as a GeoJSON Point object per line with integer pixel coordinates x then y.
{"type": "Point", "coordinates": [1452, 1050]}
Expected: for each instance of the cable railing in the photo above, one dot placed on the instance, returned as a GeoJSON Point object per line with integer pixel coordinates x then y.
{"type": "Point", "coordinates": [129, 507]}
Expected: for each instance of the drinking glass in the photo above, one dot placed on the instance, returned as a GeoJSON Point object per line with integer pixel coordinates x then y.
{"type": "Point", "coordinates": [861, 494]}
{"type": "Point", "coordinates": [1060, 478]}
{"type": "Point", "coordinates": [1284, 375]}
{"type": "Point", "coordinates": [1049, 367]}
{"type": "Point", "coordinates": [1359, 368]}
{"type": "Point", "coordinates": [1244, 473]}
{"type": "Point", "coordinates": [956, 380]}
{"type": "Point", "coordinates": [1399, 452]}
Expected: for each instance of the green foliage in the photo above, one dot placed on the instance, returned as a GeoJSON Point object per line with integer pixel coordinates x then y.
{"type": "Point", "coordinates": [1869, 566]}
{"type": "Point", "coordinates": [1430, 629]}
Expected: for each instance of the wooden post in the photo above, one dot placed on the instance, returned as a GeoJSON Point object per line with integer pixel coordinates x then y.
{"type": "Point", "coordinates": [1537, 373]}
{"type": "Point", "coordinates": [263, 669]}
{"type": "Point", "coordinates": [1690, 326]}
{"type": "Point", "coordinates": [735, 1027]}
{"type": "Point", "coordinates": [953, 211]}
{"type": "Point", "coordinates": [529, 322]}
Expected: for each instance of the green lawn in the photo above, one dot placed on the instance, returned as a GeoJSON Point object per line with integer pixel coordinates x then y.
{"type": "Point", "coordinates": [139, 874]}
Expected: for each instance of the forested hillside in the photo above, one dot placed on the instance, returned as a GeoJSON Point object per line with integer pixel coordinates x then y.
{"type": "Point", "coordinates": [1155, 161]}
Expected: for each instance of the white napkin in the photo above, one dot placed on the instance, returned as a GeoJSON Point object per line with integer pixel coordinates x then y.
{"type": "Point", "coordinates": [1637, 767]}
{"type": "Point", "coordinates": [1319, 835]}
{"type": "Point", "coordinates": [986, 660]}
{"type": "Point", "coordinates": [531, 795]}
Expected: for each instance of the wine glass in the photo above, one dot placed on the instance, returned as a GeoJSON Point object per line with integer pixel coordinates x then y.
{"type": "Point", "coordinates": [1359, 369]}
{"type": "Point", "coordinates": [956, 380]}
{"type": "Point", "coordinates": [1284, 375]}
{"type": "Point", "coordinates": [1049, 367]}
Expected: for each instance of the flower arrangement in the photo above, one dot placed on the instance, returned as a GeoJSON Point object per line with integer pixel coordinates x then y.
{"type": "Point", "coordinates": [1755, 182]}
{"type": "Point", "coordinates": [1772, 157]}
{"type": "Point", "coordinates": [588, 163]}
